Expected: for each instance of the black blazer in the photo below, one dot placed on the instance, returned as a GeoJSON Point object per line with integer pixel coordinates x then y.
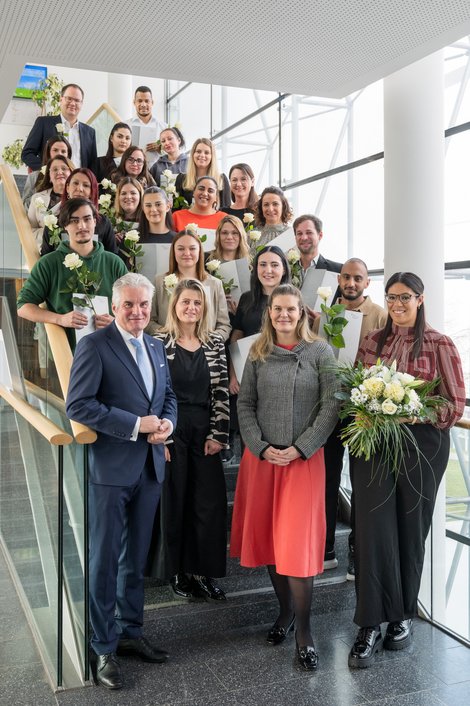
{"type": "Point", "coordinates": [330, 265]}
{"type": "Point", "coordinates": [44, 128]}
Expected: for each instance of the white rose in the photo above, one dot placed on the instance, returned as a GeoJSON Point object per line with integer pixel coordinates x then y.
{"type": "Point", "coordinates": [192, 228]}
{"type": "Point", "coordinates": [324, 292]}
{"type": "Point", "coordinates": [133, 235]}
{"type": "Point", "coordinates": [177, 125]}
{"type": "Point", "coordinates": [213, 265]}
{"type": "Point", "coordinates": [43, 169]}
{"type": "Point", "coordinates": [170, 282]}
{"type": "Point", "coordinates": [105, 183]}
{"type": "Point", "coordinates": [254, 235]}
{"type": "Point", "coordinates": [72, 261]}
{"type": "Point", "coordinates": [39, 203]}
{"type": "Point", "coordinates": [389, 407]}
{"type": "Point", "coordinates": [171, 189]}
{"type": "Point", "coordinates": [248, 218]}
{"type": "Point", "coordinates": [50, 221]}
{"type": "Point", "coordinates": [293, 256]}
{"type": "Point", "coordinates": [167, 173]}
{"type": "Point", "coordinates": [60, 128]}
{"type": "Point", "coordinates": [104, 200]}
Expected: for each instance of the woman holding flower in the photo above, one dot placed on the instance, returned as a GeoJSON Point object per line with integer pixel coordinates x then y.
{"type": "Point", "coordinates": [286, 409]}
{"type": "Point", "coordinates": [270, 269]}
{"type": "Point", "coordinates": [81, 183]}
{"type": "Point", "coordinates": [203, 162]}
{"type": "Point", "coordinates": [272, 215]}
{"type": "Point", "coordinates": [192, 538]}
{"type": "Point", "coordinates": [55, 146]}
{"type": "Point", "coordinates": [47, 200]}
{"type": "Point", "coordinates": [119, 140]}
{"type": "Point", "coordinates": [204, 209]}
{"type": "Point", "coordinates": [242, 190]}
{"type": "Point", "coordinates": [187, 262]}
{"type": "Point", "coordinates": [127, 206]}
{"type": "Point", "coordinates": [173, 158]}
{"type": "Point", "coordinates": [230, 244]}
{"type": "Point", "coordinates": [134, 164]}
{"type": "Point", "coordinates": [394, 500]}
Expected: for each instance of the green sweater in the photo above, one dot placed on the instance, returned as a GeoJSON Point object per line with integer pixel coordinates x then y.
{"type": "Point", "coordinates": [49, 275]}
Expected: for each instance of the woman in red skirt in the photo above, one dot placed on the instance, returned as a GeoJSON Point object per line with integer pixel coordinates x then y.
{"type": "Point", "coordinates": [286, 409]}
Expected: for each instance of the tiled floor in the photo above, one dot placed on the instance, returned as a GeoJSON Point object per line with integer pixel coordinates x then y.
{"type": "Point", "coordinates": [219, 656]}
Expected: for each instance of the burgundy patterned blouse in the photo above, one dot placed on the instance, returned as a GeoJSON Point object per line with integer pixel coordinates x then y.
{"type": "Point", "coordinates": [438, 358]}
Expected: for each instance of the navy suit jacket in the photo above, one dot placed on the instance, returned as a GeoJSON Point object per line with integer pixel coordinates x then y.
{"type": "Point", "coordinates": [44, 128]}
{"type": "Point", "coordinates": [107, 393]}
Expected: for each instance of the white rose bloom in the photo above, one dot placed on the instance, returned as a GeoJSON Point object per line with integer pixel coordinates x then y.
{"type": "Point", "coordinates": [192, 228]}
{"type": "Point", "coordinates": [170, 281]}
{"type": "Point", "coordinates": [213, 265]}
{"type": "Point", "coordinates": [43, 169]}
{"type": "Point", "coordinates": [133, 235]}
{"type": "Point", "coordinates": [105, 183]}
{"type": "Point", "coordinates": [254, 235]}
{"type": "Point", "coordinates": [167, 173]}
{"type": "Point", "coordinates": [104, 200]}
{"type": "Point", "coordinates": [50, 221]}
{"type": "Point", "coordinates": [177, 125]}
{"type": "Point", "coordinates": [324, 292]}
{"type": "Point", "coordinates": [248, 218]}
{"type": "Point", "coordinates": [293, 256]}
{"type": "Point", "coordinates": [389, 407]}
{"type": "Point", "coordinates": [171, 189]}
{"type": "Point", "coordinates": [72, 261]}
{"type": "Point", "coordinates": [59, 127]}
{"type": "Point", "coordinates": [39, 203]}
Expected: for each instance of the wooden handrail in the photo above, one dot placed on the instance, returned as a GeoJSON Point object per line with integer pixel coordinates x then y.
{"type": "Point", "coordinates": [108, 109]}
{"type": "Point", "coordinates": [57, 337]}
{"type": "Point", "coordinates": [463, 423]}
{"type": "Point", "coordinates": [50, 431]}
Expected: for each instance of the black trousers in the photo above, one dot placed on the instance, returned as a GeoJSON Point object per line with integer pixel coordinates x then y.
{"type": "Point", "coordinates": [334, 454]}
{"type": "Point", "coordinates": [192, 535]}
{"type": "Point", "coordinates": [393, 517]}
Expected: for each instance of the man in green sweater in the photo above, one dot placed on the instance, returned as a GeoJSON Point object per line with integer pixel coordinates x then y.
{"type": "Point", "coordinates": [49, 275]}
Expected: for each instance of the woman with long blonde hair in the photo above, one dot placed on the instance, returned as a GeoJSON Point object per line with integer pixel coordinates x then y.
{"type": "Point", "coordinates": [191, 544]}
{"type": "Point", "coordinates": [203, 162]}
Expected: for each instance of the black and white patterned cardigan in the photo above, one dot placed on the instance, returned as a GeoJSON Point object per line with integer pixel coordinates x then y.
{"type": "Point", "coordinates": [214, 350]}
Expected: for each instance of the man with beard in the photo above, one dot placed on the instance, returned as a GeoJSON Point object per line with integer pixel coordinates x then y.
{"type": "Point", "coordinates": [308, 233]}
{"type": "Point", "coordinates": [352, 281]}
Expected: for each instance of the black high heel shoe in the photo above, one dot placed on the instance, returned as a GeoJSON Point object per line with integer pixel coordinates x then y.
{"type": "Point", "coordinates": [278, 634]}
{"type": "Point", "coordinates": [307, 657]}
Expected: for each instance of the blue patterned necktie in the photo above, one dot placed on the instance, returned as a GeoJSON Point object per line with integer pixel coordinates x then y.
{"type": "Point", "coordinates": [144, 365]}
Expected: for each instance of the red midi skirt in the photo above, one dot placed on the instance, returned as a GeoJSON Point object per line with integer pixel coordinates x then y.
{"type": "Point", "coordinates": [279, 515]}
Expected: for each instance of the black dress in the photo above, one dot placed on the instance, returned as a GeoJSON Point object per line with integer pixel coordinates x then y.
{"type": "Point", "coordinates": [193, 507]}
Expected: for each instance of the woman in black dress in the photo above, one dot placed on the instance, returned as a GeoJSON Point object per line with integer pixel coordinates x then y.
{"type": "Point", "coordinates": [193, 510]}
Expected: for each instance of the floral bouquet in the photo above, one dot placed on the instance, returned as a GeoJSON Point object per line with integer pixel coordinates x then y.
{"type": "Point", "coordinates": [378, 400]}
{"type": "Point", "coordinates": [212, 266]}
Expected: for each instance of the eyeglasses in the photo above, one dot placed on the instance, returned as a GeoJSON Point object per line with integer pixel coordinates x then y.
{"type": "Point", "coordinates": [68, 99]}
{"type": "Point", "coordinates": [404, 298]}
{"type": "Point", "coordinates": [138, 161]}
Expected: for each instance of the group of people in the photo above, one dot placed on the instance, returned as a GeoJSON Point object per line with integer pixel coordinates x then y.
{"type": "Point", "coordinates": [154, 382]}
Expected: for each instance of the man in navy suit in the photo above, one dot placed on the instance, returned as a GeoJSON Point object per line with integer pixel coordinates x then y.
{"type": "Point", "coordinates": [82, 137]}
{"type": "Point", "coordinates": [122, 391]}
